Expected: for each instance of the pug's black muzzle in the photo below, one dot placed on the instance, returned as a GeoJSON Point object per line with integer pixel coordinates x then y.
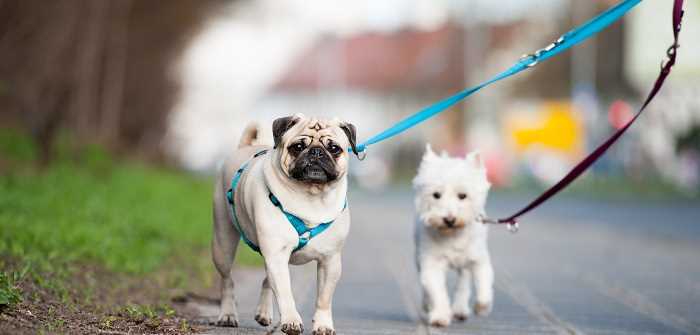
{"type": "Point", "coordinates": [314, 166]}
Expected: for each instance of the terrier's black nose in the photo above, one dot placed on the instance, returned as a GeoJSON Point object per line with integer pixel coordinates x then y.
{"type": "Point", "coordinates": [449, 220]}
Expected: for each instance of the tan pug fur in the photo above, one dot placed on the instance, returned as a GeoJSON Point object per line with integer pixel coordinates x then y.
{"type": "Point", "coordinates": [312, 193]}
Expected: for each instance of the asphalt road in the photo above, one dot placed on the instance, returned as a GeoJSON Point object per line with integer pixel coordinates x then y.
{"type": "Point", "coordinates": [575, 267]}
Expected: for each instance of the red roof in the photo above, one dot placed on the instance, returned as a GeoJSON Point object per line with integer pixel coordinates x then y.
{"type": "Point", "coordinates": [404, 60]}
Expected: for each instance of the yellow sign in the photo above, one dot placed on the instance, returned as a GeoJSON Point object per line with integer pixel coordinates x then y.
{"type": "Point", "coordinates": [554, 126]}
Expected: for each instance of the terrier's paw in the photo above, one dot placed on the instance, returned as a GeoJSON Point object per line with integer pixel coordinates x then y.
{"type": "Point", "coordinates": [263, 320]}
{"type": "Point", "coordinates": [227, 320]}
{"type": "Point", "coordinates": [439, 319]}
{"type": "Point", "coordinates": [323, 331]}
{"type": "Point", "coordinates": [292, 328]}
{"type": "Point", "coordinates": [461, 312]}
{"type": "Point", "coordinates": [439, 322]}
{"type": "Point", "coordinates": [483, 308]}
{"type": "Point", "coordinates": [460, 316]}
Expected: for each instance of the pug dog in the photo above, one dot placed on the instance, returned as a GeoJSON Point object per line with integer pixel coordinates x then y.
{"type": "Point", "coordinates": [306, 171]}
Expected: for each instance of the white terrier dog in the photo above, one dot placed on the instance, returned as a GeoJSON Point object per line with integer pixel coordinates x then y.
{"type": "Point", "coordinates": [450, 199]}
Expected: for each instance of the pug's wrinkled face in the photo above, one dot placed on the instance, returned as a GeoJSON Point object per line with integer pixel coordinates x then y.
{"type": "Point", "coordinates": [313, 150]}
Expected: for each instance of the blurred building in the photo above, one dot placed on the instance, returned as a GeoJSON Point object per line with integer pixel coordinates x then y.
{"type": "Point", "coordinates": [669, 133]}
{"type": "Point", "coordinates": [375, 63]}
{"type": "Point", "coordinates": [374, 79]}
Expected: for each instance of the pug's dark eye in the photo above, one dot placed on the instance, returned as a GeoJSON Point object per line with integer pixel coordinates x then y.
{"type": "Point", "coordinates": [296, 148]}
{"type": "Point", "coordinates": [437, 195]}
{"type": "Point", "coordinates": [462, 196]}
{"type": "Point", "coordinates": [335, 149]}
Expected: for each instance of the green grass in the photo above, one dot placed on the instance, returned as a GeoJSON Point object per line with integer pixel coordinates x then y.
{"type": "Point", "coordinates": [16, 146]}
{"type": "Point", "coordinates": [10, 294]}
{"type": "Point", "coordinates": [128, 216]}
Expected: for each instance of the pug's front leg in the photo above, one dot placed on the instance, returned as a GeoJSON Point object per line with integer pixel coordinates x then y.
{"type": "Point", "coordinates": [328, 274]}
{"type": "Point", "coordinates": [277, 266]}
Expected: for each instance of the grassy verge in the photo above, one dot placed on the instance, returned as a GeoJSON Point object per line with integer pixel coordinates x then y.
{"type": "Point", "coordinates": [118, 219]}
{"type": "Point", "coordinates": [10, 293]}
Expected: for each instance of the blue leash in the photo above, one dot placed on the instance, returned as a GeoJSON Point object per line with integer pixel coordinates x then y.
{"type": "Point", "coordinates": [564, 42]}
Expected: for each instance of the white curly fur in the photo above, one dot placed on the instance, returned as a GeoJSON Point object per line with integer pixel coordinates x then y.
{"type": "Point", "coordinates": [450, 195]}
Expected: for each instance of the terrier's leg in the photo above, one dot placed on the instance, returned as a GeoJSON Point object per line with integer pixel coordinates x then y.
{"type": "Point", "coordinates": [460, 305]}
{"type": "Point", "coordinates": [483, 273]}
{"type": "Point", "coordinates": [433, 278]}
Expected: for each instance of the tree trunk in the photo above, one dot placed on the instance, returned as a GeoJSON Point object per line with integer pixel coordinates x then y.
{"type": "Point", "coordinates": [115, 72]}
{"type": "Point", "coordinates": [88, 74]}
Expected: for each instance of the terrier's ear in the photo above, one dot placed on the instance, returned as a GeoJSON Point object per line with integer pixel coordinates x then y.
{"type": "Point", "coordinates": [429, 153]}
{"type": "Point", "coordinates": [475, 158]}
{"type": "Point", "coordinates": [280, 126]}
{"type": "Point", "coordinates": [351, 132]}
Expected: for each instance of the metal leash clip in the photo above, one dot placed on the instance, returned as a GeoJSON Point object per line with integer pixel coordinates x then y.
{"type": "Point", "coordinates": [535, 57]}
{"type": "Point", "coordinates": [512, 225]}
{"type": "Point", "coordinates": [486, 220]}
{"type": "Point", "coordinates": [670, 53]}
{"type": "Point", "coordinates": [362, 154]}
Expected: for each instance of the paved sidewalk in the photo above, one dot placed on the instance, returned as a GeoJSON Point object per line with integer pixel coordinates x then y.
{"type": "Point", "coordinates": [576, 267]}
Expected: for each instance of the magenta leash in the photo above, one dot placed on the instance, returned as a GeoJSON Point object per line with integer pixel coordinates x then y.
{"type": "Point", "coordinates": [582, 166]}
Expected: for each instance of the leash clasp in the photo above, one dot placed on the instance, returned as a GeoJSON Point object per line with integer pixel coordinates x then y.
{"type": "Point", "coordinates": [362, 154]}
{"type": "Point", "coordinates": [534, 58]}
{"type": "Point", "coordinates": [512, 225]}
{"type": "Point", "coordinates": [530, 58]}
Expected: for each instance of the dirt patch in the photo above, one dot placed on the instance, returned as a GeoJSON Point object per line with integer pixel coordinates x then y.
{"type": "Point", "coordinates": [93, 301]}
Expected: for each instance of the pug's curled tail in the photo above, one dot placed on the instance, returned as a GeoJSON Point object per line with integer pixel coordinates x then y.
{"type": "Point", "coordinates": [250, 136]}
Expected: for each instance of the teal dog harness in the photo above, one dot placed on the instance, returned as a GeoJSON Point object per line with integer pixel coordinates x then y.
{"type": "Point", "coordinates": [305, 233]}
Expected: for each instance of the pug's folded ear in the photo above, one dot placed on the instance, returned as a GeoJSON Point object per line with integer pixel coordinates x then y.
{"type": "Point", "coordinates": [351, 133]}
{"type": "Point", "coordinates": [280, 126]}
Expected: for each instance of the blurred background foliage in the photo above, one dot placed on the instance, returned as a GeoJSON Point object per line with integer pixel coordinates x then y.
{"type": "Point", "coordinates": [99, 69]}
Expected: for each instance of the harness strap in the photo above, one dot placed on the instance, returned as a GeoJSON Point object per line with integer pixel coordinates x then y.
{"type": "Point", "coordinates": [305, 233]}
{"type": "Point", "coordinates": [229, 196]}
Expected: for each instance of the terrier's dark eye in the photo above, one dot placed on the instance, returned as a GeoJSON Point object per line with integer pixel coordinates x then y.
{"type": "Point", "coordinates": [437, 195]}
{"type": "Point", "coordinates": [335, 149]}
{"type": "Point", "coordinates": [296, 148]}
{"type": "Point", "coordinates": [462, 196]}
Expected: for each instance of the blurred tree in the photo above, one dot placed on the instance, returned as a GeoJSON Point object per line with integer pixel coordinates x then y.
{"type": "Point", "coordinates": [100, 69]}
